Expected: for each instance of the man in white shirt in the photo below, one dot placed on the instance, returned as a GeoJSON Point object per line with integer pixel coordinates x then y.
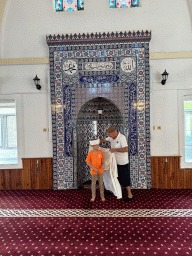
{"type": "Point", "coordinates": [120, 148]}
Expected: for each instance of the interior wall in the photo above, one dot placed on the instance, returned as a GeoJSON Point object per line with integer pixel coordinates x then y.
{"type": "Point", "coordinates": [2, 9]}
{"type": "Point", "coordinates": [164, 141]}
{"type": "Point", "coordinates": [26, 23]}
{"type": "Point", "coordinates": [164, 104]}
{"type": "Point", "coordinates": [18, 80]}
{"type": "Point", "coordinates": [35, 120]}
{"type": "Point", "coordinates": [24, 27]}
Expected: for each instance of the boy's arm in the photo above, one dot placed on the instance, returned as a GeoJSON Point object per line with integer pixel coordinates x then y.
{"type": "Point", "coordinates": [91, 166]}
{"type": "Point", "coordinates": [102, 158]}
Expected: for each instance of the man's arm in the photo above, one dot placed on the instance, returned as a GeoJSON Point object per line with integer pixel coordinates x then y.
{"type": "Point", "coordinates": [103, 140]}
{"type": "Point", "coordinates": [121, 150]}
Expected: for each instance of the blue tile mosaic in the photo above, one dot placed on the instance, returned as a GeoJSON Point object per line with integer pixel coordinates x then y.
{"type": "Point", "coordinates": [102, 68]}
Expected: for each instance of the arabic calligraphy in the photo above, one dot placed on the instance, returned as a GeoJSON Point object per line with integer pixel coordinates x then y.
{"type": "Point", "coordinates": [70, 67]}
{"type": "Point", "coordinates": [128, 64]}
{"type": "Point", "coordinates": [99, 79]}
{"type": "Point", "coordinates": [99, 66]}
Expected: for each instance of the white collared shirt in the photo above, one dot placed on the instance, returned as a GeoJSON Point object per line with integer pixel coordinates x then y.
{"type": "Point", "coordinates": [120, 142]}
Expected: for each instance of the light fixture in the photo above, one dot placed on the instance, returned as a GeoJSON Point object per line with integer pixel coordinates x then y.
{"type": "Point", "coordinates": [100, 111]}
{"type": "Point", "coordinates": [164, 77]}
{"type": "Point", "coordinates": [36, 81]}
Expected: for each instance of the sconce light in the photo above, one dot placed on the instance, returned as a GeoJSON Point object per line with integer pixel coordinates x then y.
{"type": "Point", "coordinates": [164, 77]}
{"type": "Point", "coordinates": [36, 81]}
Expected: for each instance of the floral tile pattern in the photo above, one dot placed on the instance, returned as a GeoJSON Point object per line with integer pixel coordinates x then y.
{"type": "Point", "coordinates": [114, 66]}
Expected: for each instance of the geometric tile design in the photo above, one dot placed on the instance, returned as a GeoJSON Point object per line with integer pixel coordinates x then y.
{"type": "Point", "coordinates": [84, 67]}
{"type": "Point", "coordinates": [94, 126]}
{"type": "Point", "coordinates": [97, 213]}
{"type": "Point", "coordinates": [135, 36]}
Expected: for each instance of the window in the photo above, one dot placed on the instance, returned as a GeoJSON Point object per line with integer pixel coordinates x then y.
{"type": "Point", "coordinates": [8, 129]}
{"type": "Point", "coordinates": [185, 127]}
{"type": "Point", "coordinates": [123, 3]}
{"type": "Point", "coordinates": [69, 5]}
{"type": "Point", "coordinates": [188, 130]}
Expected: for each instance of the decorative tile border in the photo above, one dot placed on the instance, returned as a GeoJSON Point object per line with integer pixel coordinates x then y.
{"type": "Point", "coordinates": [146, 213]}
{"type": "Point", "coordinates": [99, 36]}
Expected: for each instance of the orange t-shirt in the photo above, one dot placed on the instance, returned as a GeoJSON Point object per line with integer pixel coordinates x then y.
{"type": "Point", "coordinates": [95, 160]}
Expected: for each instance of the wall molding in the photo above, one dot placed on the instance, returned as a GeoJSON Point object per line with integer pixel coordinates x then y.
{"type": "Point", "coordinates": [45, 60]}
{"type": "Point", "coordinates": [24, 61]}
{"type": "Point", "coordinates": [170, 55]}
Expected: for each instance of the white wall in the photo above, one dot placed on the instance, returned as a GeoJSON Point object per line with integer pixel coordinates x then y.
{"type": "Point", "coordinates": [26, 23]}
{"type": "Point", "coordinates": [164, 141]}
{"type": "Point", "coordinates": [35, 120]}
{"type": "Point", "coordinates": [164, 100]}
{"type": "Point", "coordinates": [23, 35]}
{"type": "Point", "coordinates": [18, 80]}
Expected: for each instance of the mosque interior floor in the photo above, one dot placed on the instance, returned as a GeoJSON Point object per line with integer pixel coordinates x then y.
{"type": "Point", "coordinates": [47, 222]}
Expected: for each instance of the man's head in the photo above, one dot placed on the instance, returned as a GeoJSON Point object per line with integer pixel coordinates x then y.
{"type": "Point", "coordinates": [111, 131]}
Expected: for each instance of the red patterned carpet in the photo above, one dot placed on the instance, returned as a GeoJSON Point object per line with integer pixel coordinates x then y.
{"type": "Point", "coordinates": [156, 222]}
{"type": "Point", "coordinates": [80, 199]}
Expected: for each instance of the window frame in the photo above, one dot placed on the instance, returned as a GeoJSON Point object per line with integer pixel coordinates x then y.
{"type": "Point", "coordinates": [183, 95]}
{"type": "Point", "coordinates": [4, 137]}
{"type": "Point", "coordinates": [20, 133]}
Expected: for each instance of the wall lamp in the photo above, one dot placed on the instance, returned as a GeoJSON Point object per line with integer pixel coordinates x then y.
{"type": "Point", "coordinates": [164, 77]}
{"type": "Point", "coordinates": [36, 81]}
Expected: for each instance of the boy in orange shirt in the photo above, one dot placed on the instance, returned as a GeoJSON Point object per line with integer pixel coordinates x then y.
{"type": "Point", "coordinates": [94, 161]}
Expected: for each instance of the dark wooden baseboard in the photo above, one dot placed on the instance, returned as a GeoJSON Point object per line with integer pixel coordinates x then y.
{"type": "Point", "coordinates": [166, 173]}
{"type": "Point", "coordinates": [37, 173]}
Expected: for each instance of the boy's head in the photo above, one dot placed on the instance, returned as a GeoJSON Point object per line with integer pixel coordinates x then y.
{"type": "Point", "coordinates": [95, 144]}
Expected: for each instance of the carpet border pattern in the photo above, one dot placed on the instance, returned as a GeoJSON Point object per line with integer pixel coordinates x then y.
{"type": "Point", "coordinates": [96, 213]}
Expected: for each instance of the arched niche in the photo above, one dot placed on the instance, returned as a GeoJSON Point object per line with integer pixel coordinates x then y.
{"type": "Point", "coordinates": [93, 119]}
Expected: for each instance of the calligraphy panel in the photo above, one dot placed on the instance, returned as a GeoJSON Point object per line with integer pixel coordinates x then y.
{"type": "Point", "coordinates": [128, 64]}
{"type": "Point", "coordinates": [70, 67]}
{"type": "Point", "coordinates": [99, 66]}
